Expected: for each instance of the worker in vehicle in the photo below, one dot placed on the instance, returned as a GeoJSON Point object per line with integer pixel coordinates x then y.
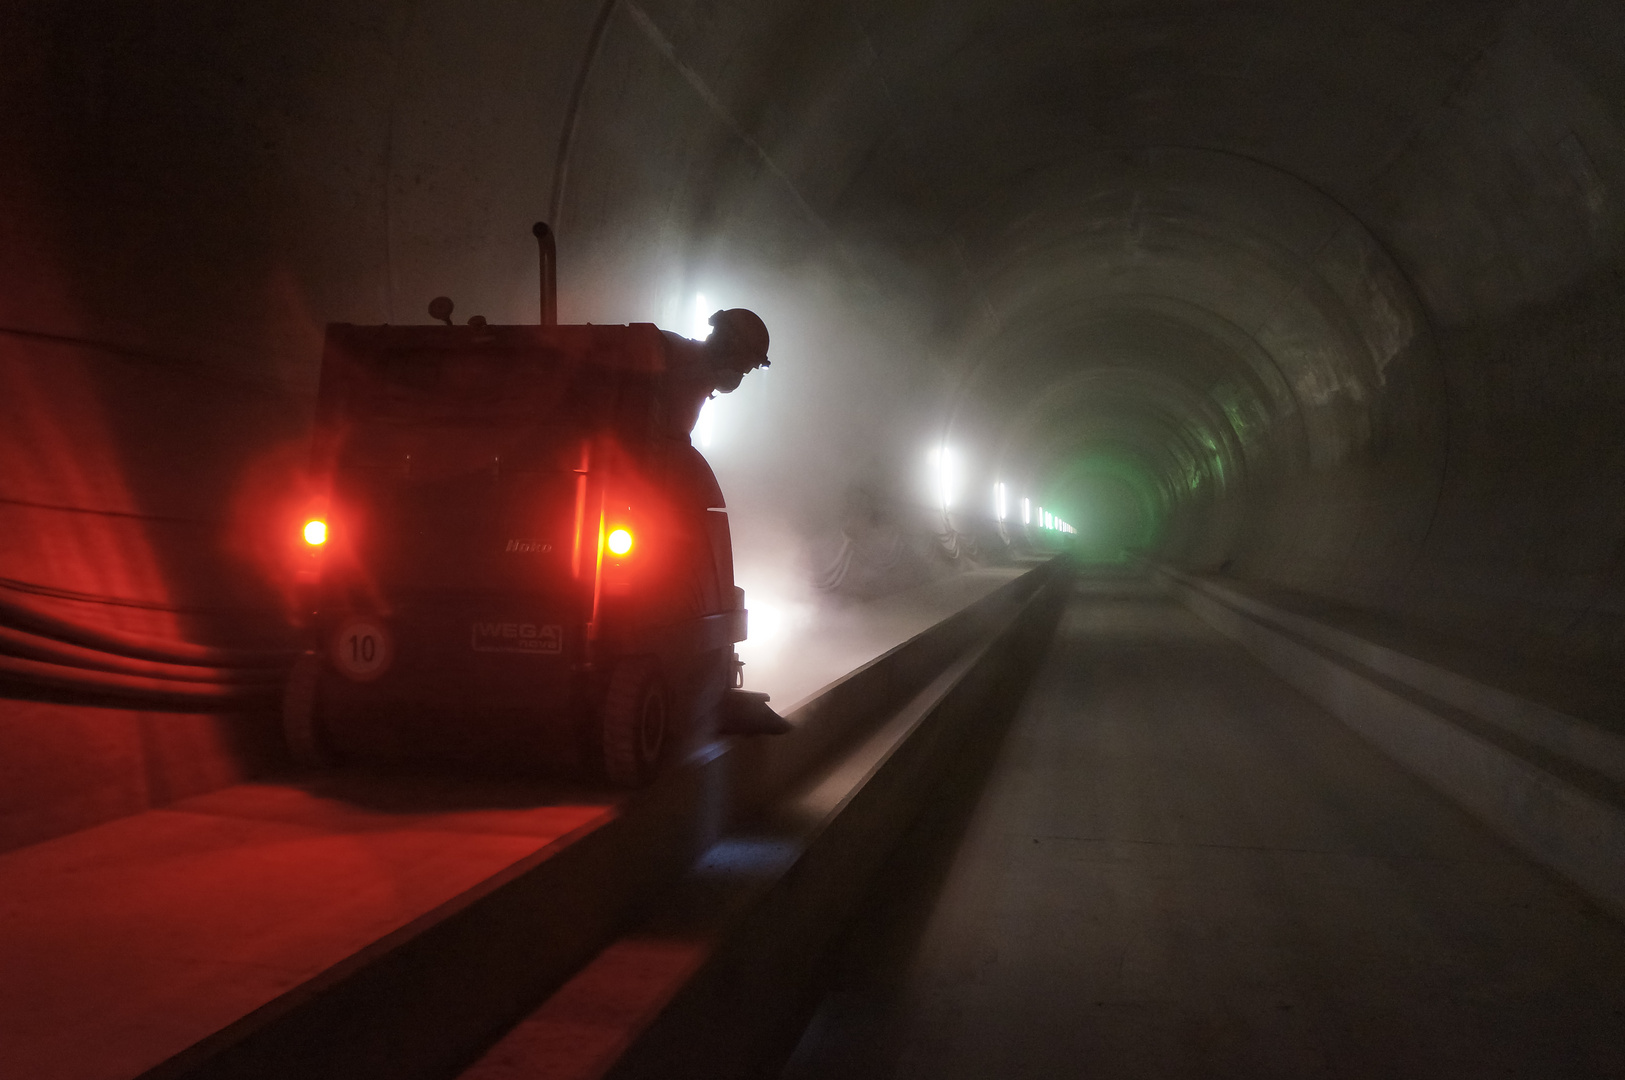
{"type": "Point", "coordinates": [697, 369]}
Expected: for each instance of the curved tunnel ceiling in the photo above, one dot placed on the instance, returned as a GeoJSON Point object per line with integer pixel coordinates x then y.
{"type": "Point", "coordinates": [1137, 188]}
{"type": "Point", "coordinates": [1242, 308]}
{"type": "Point", "coordinates": [1327, 290]}
{"type": "Point", "coordinates": [1252, 258]}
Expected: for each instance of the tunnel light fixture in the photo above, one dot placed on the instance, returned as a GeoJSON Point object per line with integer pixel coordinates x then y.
{"type": "Point", "coordinates": [700, 329]}
{"type": "Point", "coordinates": [998, 501]}
{"type": "Point", "coordinates": [944, 475]}
{"type": "Point", "coordinates": [1026, 511]}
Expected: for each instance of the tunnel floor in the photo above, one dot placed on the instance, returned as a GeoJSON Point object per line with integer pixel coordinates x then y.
{"type": "Point", "coordinates": [1179, 866]}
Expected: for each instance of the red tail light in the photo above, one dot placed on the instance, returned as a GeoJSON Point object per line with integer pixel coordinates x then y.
{"type": "Point", "coordinates": [619, 542]}
{"type": "Point", "coordinates": [315, 532]}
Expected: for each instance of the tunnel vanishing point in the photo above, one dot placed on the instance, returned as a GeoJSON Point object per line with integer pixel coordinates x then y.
{"type": "Point", "coordinates": [1318, 304]}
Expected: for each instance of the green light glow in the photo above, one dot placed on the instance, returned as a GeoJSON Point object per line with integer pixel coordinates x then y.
{"type": "Point", "coordinates": [1115, 501]}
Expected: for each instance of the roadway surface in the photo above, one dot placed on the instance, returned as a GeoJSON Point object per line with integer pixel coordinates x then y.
{"type": "Point", "coordinates": [1177, 866]}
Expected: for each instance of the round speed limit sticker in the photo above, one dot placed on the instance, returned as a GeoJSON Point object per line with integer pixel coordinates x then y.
{"type": "Point", "coordinates": [362, 649]}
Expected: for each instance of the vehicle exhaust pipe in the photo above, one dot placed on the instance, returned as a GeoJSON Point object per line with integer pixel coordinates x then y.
{"type": "Point", "coordinates": [550, 273]}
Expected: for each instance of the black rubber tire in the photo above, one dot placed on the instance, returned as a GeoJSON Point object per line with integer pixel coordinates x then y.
{"type": "Point", "coordinates": [301, 726]}
{"type": "Point", "coordinates": [636, 723]}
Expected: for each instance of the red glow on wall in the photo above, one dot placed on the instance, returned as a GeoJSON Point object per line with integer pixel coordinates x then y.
{"type": "Point", "coordinates": [70, 525]}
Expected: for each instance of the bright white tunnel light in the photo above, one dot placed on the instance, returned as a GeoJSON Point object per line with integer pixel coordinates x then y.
{"type": "Point", "coordinates": [705, 426]}
{"type": "Point", "coordinates": [944, 476]}
{"type": "Point", "coordinates": [700, 329]}
{"type": "Point", "coordinates": [1026, 511]}
{"type": "Point", "coordinates": [998, 501]}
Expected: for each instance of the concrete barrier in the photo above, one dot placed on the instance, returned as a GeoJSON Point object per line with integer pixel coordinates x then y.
{"type": "Point", "coordinates": [1546, 782]}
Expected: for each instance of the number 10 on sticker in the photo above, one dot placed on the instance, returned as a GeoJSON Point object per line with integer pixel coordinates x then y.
{"type": "Point", "coordinates": [362, 649]}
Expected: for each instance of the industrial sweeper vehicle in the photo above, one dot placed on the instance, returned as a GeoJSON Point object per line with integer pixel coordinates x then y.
{"type": "Point", "coordinates": [515, 559]}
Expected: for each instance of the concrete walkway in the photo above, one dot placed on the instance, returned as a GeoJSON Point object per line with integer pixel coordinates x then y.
{"type": "Point", "coordinates": [1179, 867]}
{"type": "Point", "coordinates": [127, 943]}
{"type": "Point", "coordinates": [798, 648]}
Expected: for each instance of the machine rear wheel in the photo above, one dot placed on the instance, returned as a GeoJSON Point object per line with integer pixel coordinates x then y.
{"type": "Point", "coordinates": [637, 714]}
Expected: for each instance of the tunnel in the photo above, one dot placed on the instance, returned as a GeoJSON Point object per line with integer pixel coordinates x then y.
{"type": "Point", "coordinates": [1284, 343]}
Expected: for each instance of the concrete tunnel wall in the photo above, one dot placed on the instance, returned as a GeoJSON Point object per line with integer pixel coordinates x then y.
{"type": "Point", "coordinates": [1328, 295]}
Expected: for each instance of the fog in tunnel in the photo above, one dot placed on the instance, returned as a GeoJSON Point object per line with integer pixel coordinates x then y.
{"type": "Point", "coordinates": [1325, 296]}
